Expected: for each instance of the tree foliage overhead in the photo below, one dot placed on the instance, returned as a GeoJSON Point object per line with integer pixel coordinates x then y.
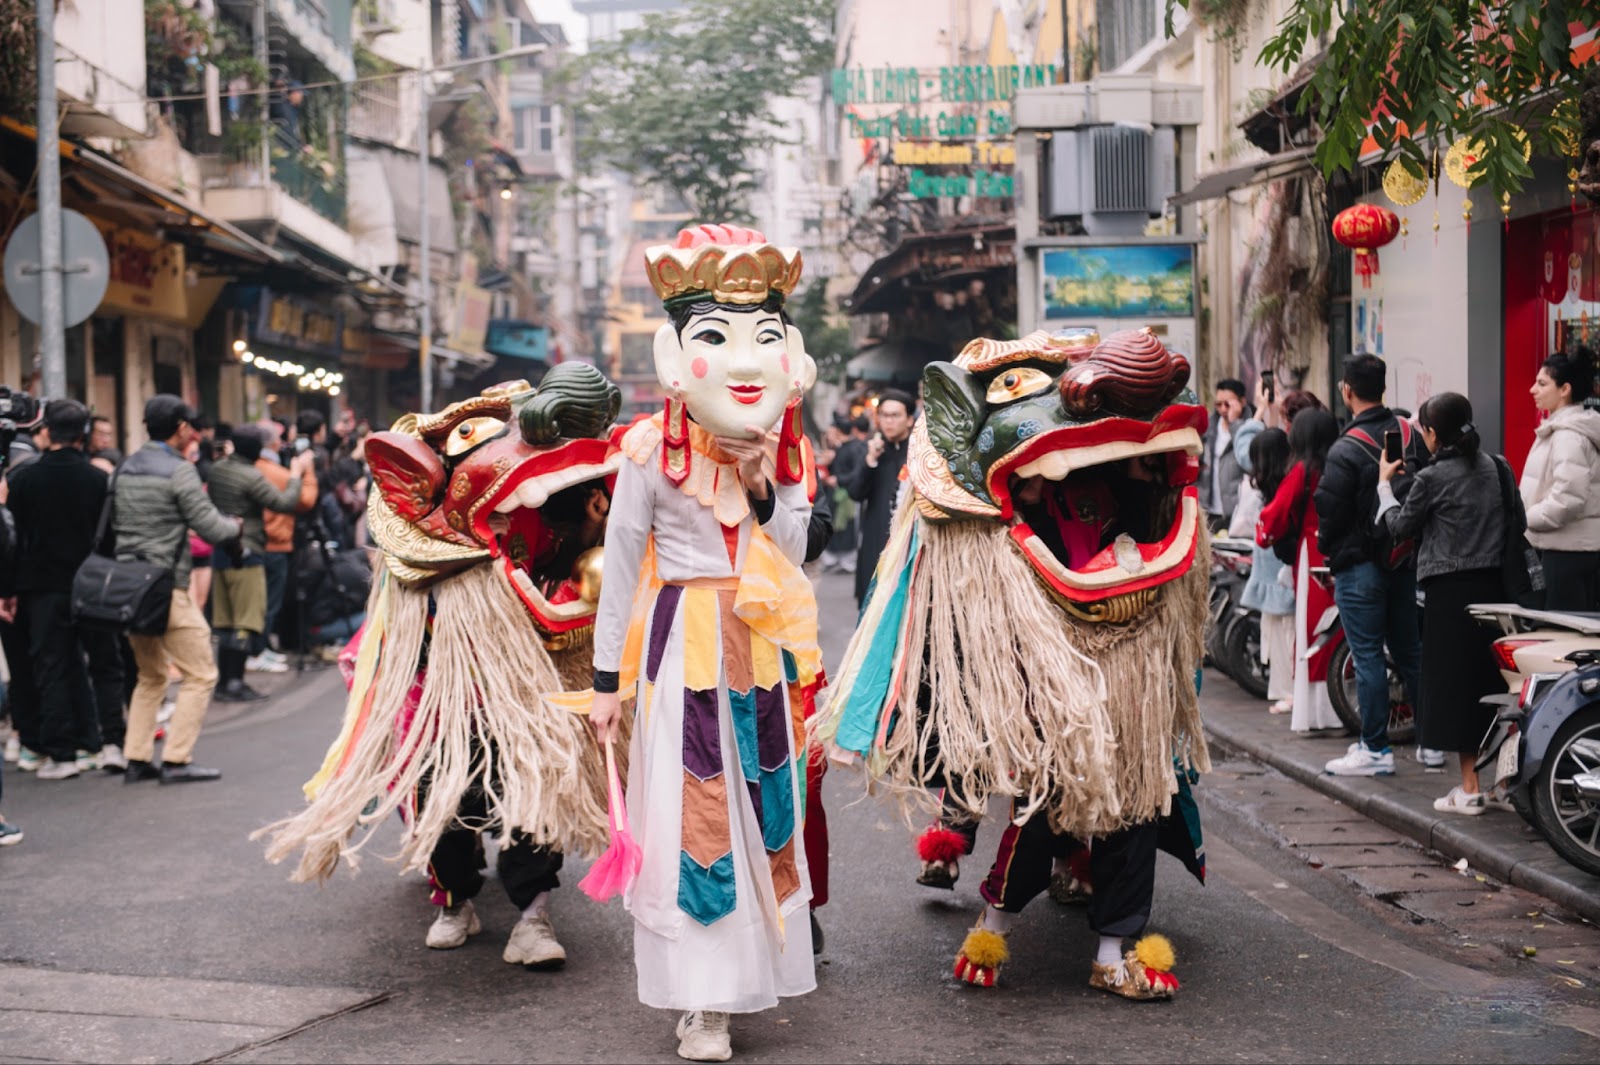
{"type": "Point", "coordinates": [685, 100]}
{"type": "Point", "coordinates": [1418, 75]}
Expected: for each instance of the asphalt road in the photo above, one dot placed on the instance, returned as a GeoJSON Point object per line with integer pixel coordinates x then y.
{"type": "Point", "coordinates": [162, 884]}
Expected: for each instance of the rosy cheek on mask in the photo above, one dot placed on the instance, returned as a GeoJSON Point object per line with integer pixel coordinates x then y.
{"type": "Point", "coordinates": [783, 362]}
{"type": "Point", "coordinates": [698, 367]}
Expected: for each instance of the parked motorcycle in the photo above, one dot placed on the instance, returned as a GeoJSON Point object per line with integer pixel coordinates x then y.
{"type": "Point", "coordinates": [1234, 640]}
{"type": "Point", "coordinates": [1544, 750]}
{"type": "Point", "coordinates": [1328, 639]}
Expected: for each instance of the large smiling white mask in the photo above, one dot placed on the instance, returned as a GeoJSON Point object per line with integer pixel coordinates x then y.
{"type": "Point", "coordinates": [729, 356]}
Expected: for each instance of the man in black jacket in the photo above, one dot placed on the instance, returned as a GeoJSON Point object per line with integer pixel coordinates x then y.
{"type": "Point", "coordinates": [56, 500]}
{"type": "Point", "coordinates": [1377, 602]}
{"type": "Point", "coordinates": [876, 484]}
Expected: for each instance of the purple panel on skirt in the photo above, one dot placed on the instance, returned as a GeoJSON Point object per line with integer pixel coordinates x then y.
{"type": "Point", "coordinates": [661, 627]}
{"type": "Point", "coordinates": [772, 726]}
{"type": "Point", "coordinates": [702, 743]}
{"type": "Point", "coordinates": [754, 787]}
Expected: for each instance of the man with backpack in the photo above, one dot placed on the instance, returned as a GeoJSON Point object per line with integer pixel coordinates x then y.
{"type": "Point", "coordinates": [1374, 581]}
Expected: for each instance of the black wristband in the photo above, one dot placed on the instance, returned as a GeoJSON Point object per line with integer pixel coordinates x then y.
{"type": "Point", "coordinates": [607, 681]}
{"type": "Point", "coordinates": [764, 507]}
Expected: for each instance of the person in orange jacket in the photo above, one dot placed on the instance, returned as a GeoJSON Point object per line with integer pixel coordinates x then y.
{"type": "Point", "coordinates": [280, 542]}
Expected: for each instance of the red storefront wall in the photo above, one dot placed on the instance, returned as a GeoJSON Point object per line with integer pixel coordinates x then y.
{"type": "Point", "coordinates": [1552, 300]}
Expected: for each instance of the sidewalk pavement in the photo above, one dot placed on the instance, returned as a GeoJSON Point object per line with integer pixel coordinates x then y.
{"type": "Point", "coordinates": [1498, 843]}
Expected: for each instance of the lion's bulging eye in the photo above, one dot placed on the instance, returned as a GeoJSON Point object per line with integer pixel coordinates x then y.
{"type": "Point", "coordinates": [1016, 384]}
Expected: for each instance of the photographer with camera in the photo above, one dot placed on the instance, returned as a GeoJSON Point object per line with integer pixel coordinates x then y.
{"type": "Point", "coordinates": [56, 501]}
{"type": "Point", "coordinates": [158, 498]}
{"type": "Point", "coordinates": [239, 599]}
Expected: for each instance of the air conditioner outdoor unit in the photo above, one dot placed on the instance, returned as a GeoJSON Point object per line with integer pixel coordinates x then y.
{"type": "Point", "coordinates": [1113, 178]}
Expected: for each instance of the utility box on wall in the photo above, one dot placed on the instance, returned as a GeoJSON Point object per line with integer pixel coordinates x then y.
{"type": "Point", "coordinates": [1114, 178]}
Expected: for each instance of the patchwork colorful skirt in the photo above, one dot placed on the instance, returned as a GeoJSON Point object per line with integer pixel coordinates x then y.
{"type": "Point", "coordinates": [716, 792]}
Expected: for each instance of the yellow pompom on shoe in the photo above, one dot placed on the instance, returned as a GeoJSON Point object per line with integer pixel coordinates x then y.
{"type": "Point", "coordinates": [1155, 952]}
{"type": "Point", "coordinates": [982, 954]}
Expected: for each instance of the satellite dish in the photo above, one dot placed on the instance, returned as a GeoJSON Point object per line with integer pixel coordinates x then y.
{"type": "Point", "coordinates": [85, 268]}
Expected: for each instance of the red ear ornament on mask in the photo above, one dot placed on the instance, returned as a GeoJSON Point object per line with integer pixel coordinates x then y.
{"type": "Point", "coordinates": [408, 473]}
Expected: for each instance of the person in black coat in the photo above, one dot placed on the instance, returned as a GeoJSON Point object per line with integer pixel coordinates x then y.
{"type": "Point", "coordinates": [876, 484]}
{"type": "Point", "coordinates": [56, 501]}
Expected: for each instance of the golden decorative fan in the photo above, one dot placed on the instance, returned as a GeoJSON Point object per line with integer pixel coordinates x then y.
{"type": "Point", "coordinates": [1464, 154]}
{"type": "Point", "coordinates": [1565, 128]}
{"type": "Point", "coordinates": [1402, 186]}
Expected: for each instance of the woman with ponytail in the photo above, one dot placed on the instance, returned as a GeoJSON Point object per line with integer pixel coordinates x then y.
{"type": "Point", "coordinates": [1456, 513]}
{"type": "Point", "coordinates": [1561, 483]}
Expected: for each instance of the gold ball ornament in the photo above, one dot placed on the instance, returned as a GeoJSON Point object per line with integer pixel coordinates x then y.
{"type": "Point", "coordinates": [1436, 220]}
{"type": "Point", "coordinates": [1505, 204]}
{"type": "Point", "coordinates": [1466, 211]}
{"type": "Point", "coordinates": [1464, 154]}
{"type": "Point", "coordinates": [587, 571]}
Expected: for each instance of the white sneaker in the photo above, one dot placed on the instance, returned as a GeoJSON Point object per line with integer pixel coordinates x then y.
{"type": "Point", "coordinates": [533, 944]}
{"type": "Point", "coordinates": [1432, 760]}
{"type": "Point", "coordinates": [262, 664]}
{"type": "Point", "coordinates": [112, 760]}
{"type": "Point", "coordinates": [704, 1035]}
{"type": "Point", "coordinates": [1459, 802]}
{"type": "Point", "coordinates": [13, 748]}
{"type": "Point", "coordinates": [50, 769]}
{"type": "Point", "coordinates": [269, 655]}
{"type": "Point", "coordinates": [27, 761]}
{"type": "Point", "coordinates": [453, 925]}
{"type": "Point", "coordinates": [88, 761]}
{"type": "Point", "coordinates": [168, 708]}
{"type": "Point", "coordinates": [1360, 762]}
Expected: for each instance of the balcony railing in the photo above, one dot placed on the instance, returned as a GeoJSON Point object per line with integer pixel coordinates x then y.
{"type": "Point", "coordinates": [314, 181]}
{"type": "Point", "coordinates": [233, 160]}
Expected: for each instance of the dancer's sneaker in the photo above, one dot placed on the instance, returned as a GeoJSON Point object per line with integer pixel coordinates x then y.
{"type": "Point", "coordinates": [533, 944]}
{"type": "Point", "coordinates": [453, 925]}
{"type": "Point", "coordinates": [704, 1035]}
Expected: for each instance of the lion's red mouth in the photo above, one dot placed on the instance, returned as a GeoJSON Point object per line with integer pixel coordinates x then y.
{"type": "Point", "coordinates": [1106, 509]}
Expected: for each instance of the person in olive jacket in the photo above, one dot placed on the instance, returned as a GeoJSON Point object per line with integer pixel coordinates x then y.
{"type": "Point", "coordinates": [158, 498]}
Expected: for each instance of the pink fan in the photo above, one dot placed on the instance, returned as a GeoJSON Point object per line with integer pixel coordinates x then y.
{"type": "Point", "coordinates": [614, 870]}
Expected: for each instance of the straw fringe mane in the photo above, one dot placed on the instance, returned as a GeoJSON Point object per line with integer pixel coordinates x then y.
{"type": "Point", "coordinates": [482, 702]}
{"type": "Point", "coordinates": [1015, 697]}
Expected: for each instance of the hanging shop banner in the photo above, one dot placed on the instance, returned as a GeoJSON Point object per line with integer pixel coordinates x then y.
{"type": "Point", "coordinates": [147, 276]}
{"type": "Point", "coordinates": [297, 323]}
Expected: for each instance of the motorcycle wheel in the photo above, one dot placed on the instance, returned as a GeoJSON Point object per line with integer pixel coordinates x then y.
{"type": "Point", "coordinates": [1569, 822]}
{"type": "Point", "coordinates": [1241, 650]}
{"type": "Point", "coordinates": [1342, 694]}
{"type": "Point", "coordinates": [1218, 607]}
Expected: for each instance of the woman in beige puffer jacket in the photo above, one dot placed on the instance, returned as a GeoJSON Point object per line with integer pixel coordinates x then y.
{"type": "Point", "coordinates": [1561, 484]}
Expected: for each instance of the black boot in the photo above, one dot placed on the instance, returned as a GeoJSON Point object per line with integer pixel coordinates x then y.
{"type": "Point", "coordinates": [231, 688]}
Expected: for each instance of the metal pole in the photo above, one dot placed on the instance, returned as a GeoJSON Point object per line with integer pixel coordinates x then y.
{"type": "Point", "coordinates": [424, 225]}
{"type": "Point", "coordinates": [52, 327]}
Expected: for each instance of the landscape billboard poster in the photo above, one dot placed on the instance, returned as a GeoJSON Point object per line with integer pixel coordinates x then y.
{"type": "Point", "coordinates": [1119, 281]}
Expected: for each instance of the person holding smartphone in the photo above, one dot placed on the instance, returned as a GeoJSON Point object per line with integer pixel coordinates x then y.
{"type": "Point", "coordinates": [1455, 511]}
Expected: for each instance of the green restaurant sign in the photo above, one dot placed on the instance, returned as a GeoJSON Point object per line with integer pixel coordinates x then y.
{"type": "Point", "coordinates": [948, 85]}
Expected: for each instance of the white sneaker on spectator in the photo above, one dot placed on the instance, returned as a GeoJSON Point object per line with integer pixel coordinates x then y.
{"type": "Point", "coordinates": [1432, 760]}
{"type": "Point", "coordinates": [1360, 762]}
{"type": "Point", "coordinates": [27, 761]}
{"type": "Point", "coordinates": [13, 748]}
{"type": "Point", "coordinates": [168, 708]}
{"type": "Point", "coordinates": [453, 925]}
{"type": "Point", "coordinates": [112, 760]}
{"type": "Point", "coordinates": [262, 664]}
{"type": "Point", "coordinates": [1459, 802]}
{"type": "Point", "coordinates": [88, 761]}
{"type": "Point", "coordinates": [269, 655]}
{"type": "Point", "coordinates": [54, 770]}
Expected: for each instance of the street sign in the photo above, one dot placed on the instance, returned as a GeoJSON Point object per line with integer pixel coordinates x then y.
{"type": "Point", "coordinates": [85, 268]}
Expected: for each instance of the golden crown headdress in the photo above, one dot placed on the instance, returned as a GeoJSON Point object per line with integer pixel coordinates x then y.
{"type": "Point", "coordinates": [729, 264]}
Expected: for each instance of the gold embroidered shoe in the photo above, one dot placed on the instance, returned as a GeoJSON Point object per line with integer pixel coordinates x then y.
{"type": "Point", "coordinates": [1144, 974]}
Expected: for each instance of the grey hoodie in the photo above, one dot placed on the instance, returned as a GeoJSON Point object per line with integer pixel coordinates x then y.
{"type": "Point", "coordinates": [1561, 482]}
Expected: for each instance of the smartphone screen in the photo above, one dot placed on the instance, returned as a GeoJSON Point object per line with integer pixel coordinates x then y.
{"type": "Point", "coordinates": [1391, 446]}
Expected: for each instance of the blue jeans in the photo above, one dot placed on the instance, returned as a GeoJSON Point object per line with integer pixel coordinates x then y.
{"type": "Point", "coordinates": [276, 563]}
{"type": "Point", "coordinates": [1377, 608]}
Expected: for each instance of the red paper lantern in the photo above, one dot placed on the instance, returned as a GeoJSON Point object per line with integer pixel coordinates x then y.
{"type": "Point", "coordinates": [1364, 229]}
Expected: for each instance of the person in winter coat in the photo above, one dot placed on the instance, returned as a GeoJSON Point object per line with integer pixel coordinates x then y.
{"type": "Point", "coordinates": [1561, 483]}
{"type": "Point", "coordinates": [1270, 590]}
{"type": "Point", "coordinates": [1454, 510]}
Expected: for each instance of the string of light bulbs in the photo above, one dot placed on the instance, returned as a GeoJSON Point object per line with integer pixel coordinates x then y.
{"type": "Point", "coordinates": [309, 380]}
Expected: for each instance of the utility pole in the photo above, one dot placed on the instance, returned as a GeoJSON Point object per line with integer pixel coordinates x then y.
{"type": "Point", "coordinates": [52, 327]}
{"type": "Point", "coordinates": [425, 223]}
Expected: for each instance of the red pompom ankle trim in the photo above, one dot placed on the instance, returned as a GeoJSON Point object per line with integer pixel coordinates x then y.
{"type": "Point", "coordinates": [939, 844]}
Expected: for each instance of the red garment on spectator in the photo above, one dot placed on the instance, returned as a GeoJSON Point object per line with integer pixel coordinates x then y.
{"type": "Point", "coordinates": [1292, 503]}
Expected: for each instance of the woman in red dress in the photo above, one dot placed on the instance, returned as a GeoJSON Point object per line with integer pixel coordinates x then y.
{"type": "Point", "coordinates": [1291, 513]}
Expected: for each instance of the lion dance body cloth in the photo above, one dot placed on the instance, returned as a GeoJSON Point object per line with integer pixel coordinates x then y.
{"type": "Point", "coordinates": [483, 605]}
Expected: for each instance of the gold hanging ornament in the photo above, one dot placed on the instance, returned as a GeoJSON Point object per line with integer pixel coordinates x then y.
{"type": "Point", "coordinates": [1464, 155]}
{"type": "Point", "coordinates": [1404, 189]}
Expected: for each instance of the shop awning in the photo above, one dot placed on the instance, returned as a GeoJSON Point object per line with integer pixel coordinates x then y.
{"type": "Point", "coordinates": [513, 339]}
{"type": "Point", "coordinates": [1222, 182]}
{"type": "Point", "coordinates": [404, 189]}
{"type": "Point", "coordinates": [934, 260]}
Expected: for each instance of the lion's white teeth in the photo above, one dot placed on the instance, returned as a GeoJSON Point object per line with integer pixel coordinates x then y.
{"type": "Point", "coordinates": [532, 495]}
{"type": "Point", "coordinates": [1127, 553]}
{"type": "Point", "coordinates": [1053, 466]}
